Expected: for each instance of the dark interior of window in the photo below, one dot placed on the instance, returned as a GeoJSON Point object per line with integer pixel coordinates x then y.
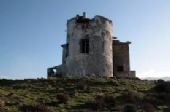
{"type": "Point", "coordinates": [84, 46]}
{"type": "Point", "coordinates": [120, 69]}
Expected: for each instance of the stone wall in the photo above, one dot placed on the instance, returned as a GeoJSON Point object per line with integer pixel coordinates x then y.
{"type": "Point", "coordinates": [121, 65]}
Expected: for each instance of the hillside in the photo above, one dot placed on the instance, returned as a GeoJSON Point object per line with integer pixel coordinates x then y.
{"type": "Point", "coordinates": [84, 95]}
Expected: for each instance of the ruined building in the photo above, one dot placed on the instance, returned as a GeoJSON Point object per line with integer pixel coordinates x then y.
{"type": "Point", "coordinates": [91, 50]}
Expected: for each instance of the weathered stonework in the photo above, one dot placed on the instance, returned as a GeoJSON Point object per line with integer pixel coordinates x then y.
{"type": "Point", "coordinates": [121, 65]}
{"type": "Point", "coordinates": [91, 50]}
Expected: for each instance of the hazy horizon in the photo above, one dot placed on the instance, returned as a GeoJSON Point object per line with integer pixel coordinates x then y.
{"type": "Point", "coordinates": [31, 33]}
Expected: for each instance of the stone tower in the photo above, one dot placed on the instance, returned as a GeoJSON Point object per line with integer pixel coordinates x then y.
{"type": "Point", "coordinates": [89, 47]}
{"type": "Point", "coordinates": [91, 50]}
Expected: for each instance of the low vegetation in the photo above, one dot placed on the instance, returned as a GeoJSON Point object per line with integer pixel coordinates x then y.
{"type": "Point", "coordinates": [84, 95]}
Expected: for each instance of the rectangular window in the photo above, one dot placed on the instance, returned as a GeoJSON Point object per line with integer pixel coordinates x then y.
{"type": "Point", "coordinates": [120, 69]}
{"type": "Point", "coordinates": [84, 46]}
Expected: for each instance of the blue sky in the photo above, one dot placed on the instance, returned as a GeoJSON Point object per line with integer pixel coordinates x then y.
{"type": "Point", "coordinates": [31, 32]}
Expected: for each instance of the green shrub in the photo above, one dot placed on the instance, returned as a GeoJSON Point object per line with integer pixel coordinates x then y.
{"type": "Point", "coordinates": [101, 102]}
{"type": "Point", "coordinates": [62, 98]}
{"type": "Point", "coordinates": [109, 100]}
{"type": "Point", "coordinates": [163, 97]}
{"type": "Point", "coordinates": [152, 99]}
{"type": "Point", "coordinates": [34, 108]}
{"type": "Point", "coordinates": [82, 85]}
{"type": "Point", "coordinates": [130, 97]}
{"type": "Point", "coordinates": [130, 108]}
{"type": "Point", "coordinates": [159, 81]}
{"type": "Point", "coordinates": [162, 87]}
{"type": "Point", "coordinates": [148, 107]}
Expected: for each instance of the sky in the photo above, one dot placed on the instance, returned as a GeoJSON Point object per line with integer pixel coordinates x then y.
{"type": "Point", "coordinates": [32, 31]}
